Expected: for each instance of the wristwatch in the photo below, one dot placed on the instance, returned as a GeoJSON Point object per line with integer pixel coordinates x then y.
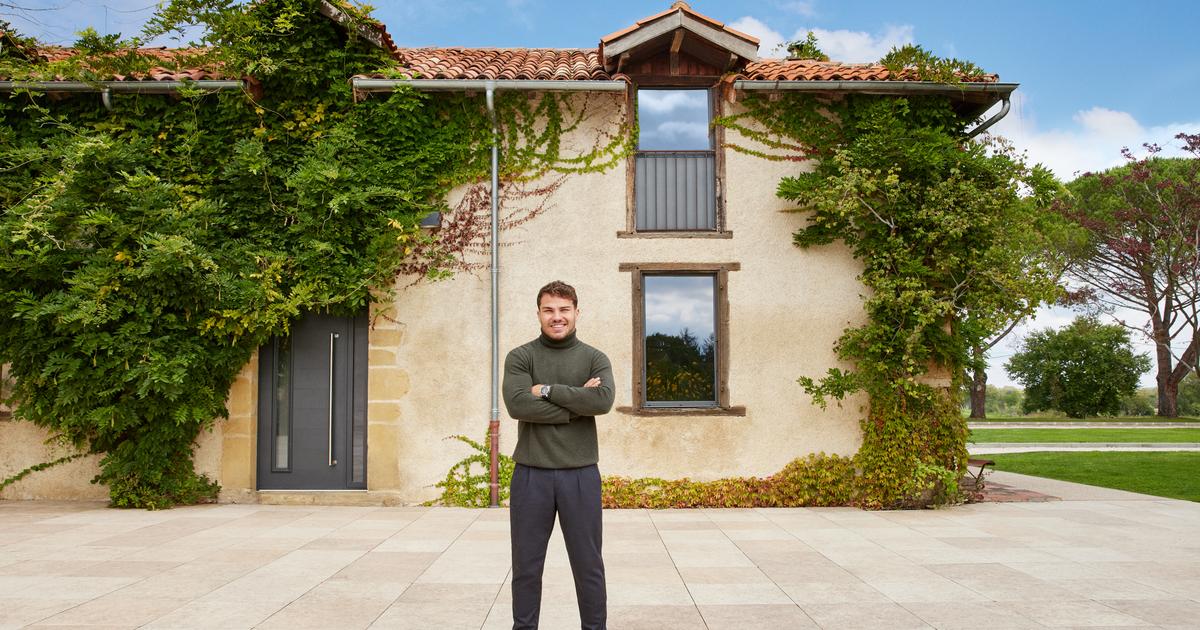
{"type": "Point", "coordinates": [544, 392]}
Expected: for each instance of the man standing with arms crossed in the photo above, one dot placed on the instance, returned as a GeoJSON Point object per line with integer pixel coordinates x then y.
{"type": "Point", "coordinates": [555, 386]}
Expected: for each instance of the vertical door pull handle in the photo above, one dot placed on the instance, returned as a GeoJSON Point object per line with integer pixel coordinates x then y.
{"type": "Point", "coordinates": [332, 461]}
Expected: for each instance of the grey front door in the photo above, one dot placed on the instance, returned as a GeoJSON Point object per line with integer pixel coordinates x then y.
{"type": "Point", "coordinates": [312, 413]}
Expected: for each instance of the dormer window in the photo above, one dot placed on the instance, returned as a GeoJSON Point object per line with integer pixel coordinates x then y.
{"type": "Point", "coordinates": [675, 59]}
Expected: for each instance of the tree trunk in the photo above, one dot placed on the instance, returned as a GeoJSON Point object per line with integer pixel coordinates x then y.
{"type": "Point", "coordinates": [1168, 387]}
{"type": "Point", "coordinates": [978, 388]}
{"type": "Point", "coordinates": [1168, 394]}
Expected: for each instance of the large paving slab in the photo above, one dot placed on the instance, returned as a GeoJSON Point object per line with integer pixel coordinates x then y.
{"type": "Point", "coordinates": [1094, 559]}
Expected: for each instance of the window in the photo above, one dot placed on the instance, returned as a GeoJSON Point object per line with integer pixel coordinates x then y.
{"type": "Point", "coordinates": [675, 170]}
{"type": "Point", "coordinates": [681, 339]}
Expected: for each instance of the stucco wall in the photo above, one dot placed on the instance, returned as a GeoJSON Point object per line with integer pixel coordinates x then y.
{"type": "Point", "coordinates": [23, 444]}
{"type": "Point", "coordinates": [787, 307]}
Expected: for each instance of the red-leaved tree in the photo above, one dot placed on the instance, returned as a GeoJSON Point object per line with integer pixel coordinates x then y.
{"type": "Point", "coordinates": [1143, 224]}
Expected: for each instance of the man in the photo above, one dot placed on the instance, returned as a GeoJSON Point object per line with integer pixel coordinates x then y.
{"type": "Point", "coordinates": [555, 386]}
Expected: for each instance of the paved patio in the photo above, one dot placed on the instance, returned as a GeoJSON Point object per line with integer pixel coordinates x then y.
{"type": "Point", "coordinates": [1096, 558]}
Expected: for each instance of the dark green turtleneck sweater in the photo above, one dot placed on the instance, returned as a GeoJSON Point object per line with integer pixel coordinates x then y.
{"type": "Point", "coordinates": [559, 432]}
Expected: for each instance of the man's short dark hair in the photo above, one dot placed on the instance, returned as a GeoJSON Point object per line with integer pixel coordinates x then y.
{"type": "Point", "coordinates": [558, 289]}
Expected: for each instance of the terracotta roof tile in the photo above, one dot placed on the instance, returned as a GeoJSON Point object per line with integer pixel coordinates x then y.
{"type": "Point", "coordinates": [584, 64]}
{"type": "Point", "coordinates": [168, 71]}
{"type": "Point", "coordinates": [502, 63]}
{"type": "Point", "coordinates": [809, 70]}
{"type": "Point", "coordinates": [517, 64]}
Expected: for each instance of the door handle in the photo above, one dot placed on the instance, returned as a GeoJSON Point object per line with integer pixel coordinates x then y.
{"type": "Point", "coordinates": [332, 336]}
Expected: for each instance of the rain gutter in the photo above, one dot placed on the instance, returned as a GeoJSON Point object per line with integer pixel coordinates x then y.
{"type": "Point", "coordinates": [108, 88]}
{"type": "Point", "coordinates": [490, 88]}
{"type": "Point", "coordinates": [1002, 90]}
{"type": "Point", "coordinates": [460, 85]}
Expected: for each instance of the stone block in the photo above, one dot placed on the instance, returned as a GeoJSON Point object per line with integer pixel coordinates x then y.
{"type": "Point", "coordinates": [388, 383]}
{"type": "Point", "coordinates": [386, 337]}
{"type": "Point", "coordinates": [383, 413]}
{"type": "Point", "coordinates": [382, 358]}
{"type": "Point", "coordinates": [239, 424]}
{"type": "Point", "coordinates": [383, 443]}
{"type": "Point", "coordinates": [237, 462]}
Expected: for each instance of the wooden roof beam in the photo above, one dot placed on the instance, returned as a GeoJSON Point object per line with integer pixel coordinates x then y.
{"type": "Point", "coordinates": [676, 44]}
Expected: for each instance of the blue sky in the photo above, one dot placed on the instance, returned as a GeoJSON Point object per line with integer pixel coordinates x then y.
{"type": "Point", "coordinates": [1095, 75]}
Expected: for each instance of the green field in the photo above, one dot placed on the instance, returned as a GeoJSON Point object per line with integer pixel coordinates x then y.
{"type": "Point", "coordinates": [1098, 419]}
{"type": "Point", "coordinates": [1163, 474]}
{"type": "Point", "coordinates": [981, 436]}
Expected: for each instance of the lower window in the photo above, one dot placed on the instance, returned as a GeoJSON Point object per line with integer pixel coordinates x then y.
{"type": "Point", "coordinates": [681, 338]}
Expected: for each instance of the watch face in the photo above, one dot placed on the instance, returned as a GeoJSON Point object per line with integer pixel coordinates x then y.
{"type": "Point", "coordinates": [545, 391]}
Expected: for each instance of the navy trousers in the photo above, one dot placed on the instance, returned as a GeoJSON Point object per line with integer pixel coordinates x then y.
{"type": "Point", "coordinates": [574, 494]}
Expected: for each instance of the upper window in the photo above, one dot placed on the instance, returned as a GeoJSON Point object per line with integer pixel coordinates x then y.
{"type": "Point", "coordinates": [675, 182]}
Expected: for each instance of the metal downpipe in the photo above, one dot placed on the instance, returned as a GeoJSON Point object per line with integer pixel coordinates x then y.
{"type": "Point", "coordinates": [494, 423]}
{"type": "Point", "coordinates": [1007, 105]}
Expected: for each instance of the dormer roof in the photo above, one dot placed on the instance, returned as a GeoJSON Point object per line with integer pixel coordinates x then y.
{"type": "Point", "coordinates": [679, 32]}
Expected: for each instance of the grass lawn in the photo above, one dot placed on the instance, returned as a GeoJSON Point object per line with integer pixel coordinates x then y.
{"type": "Point", "coordinates": [1163, 474]}
{"type": "Point", "coordinates": [1097, 419]}
{"type": "Point", "coordinates": [980, 436]}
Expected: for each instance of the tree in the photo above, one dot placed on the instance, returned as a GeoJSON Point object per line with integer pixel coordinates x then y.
{"type": "Point", "coordinates": [1189, 396]}
{"type": "Point", "coordinates": [1143, 226]}
{"type": "Point", "coordinates": [1085, 369]}
{"type": "Point", "coordinates": [1025, 267]}
{"type": "Point", "coordinates": [806, 49]}
{"type": "Point", "coordinates": [1141, 403]}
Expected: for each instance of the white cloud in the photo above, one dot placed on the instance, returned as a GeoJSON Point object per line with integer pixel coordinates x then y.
{"type": "Point", "coordinates": [840, 45]}
{"type": "Point", "coordinates": [675, 303]}
{"type": "Point", "coordinates": [768, 40]}
{"type": "Point", "coordinates": [859, 46]}
{"type": "Point", "coordinates": [678, 133]}
{"type": "Point", "coordinates": [1092, 143]}
{"type": "Point", "coordinates": [667, 101]}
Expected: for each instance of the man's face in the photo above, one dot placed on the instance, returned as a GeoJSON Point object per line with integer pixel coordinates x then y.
{"type": "Point", "coordinates": [557, 315]}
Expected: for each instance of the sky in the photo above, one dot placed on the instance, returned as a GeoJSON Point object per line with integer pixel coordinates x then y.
{"type": "Point", "coordinates": [674, 303]}
{"type": "Point", "coordinates": [1094, 75]}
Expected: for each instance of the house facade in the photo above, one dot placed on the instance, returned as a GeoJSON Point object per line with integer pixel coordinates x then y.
{"type": "Point", "coordinates": [684, 264]}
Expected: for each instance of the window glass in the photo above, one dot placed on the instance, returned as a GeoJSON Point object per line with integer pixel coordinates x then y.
{"type": "Point", "coordinates": [673, 120]}
{"type": "Point", "coordinates": [283, 412]}
{"type": "Point", "coordinates": [680, 340]}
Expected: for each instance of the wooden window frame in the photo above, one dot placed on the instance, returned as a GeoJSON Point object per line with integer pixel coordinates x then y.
{"type": "Point", "coordinates": [721, 271]}
{"type": "Point", "coordinates": [716, 110]}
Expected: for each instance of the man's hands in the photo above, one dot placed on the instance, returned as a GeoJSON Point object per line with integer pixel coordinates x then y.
{"type": "Point", "coordinates": [536, 390]}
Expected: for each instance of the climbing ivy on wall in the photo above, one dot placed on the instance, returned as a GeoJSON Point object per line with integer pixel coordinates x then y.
{"type": "Point", "coordinates": [147, 251]}
{"type": "Point", "coordinates": [929, 214]}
